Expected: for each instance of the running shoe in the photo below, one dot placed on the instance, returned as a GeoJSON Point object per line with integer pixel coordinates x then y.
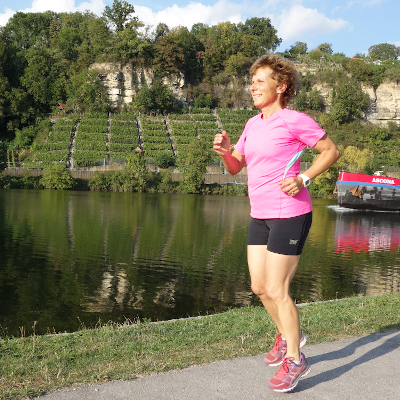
{"type": "Point", "coordinates": [278, 352]}
{"type": "Point", "coordinates": [289, 374]}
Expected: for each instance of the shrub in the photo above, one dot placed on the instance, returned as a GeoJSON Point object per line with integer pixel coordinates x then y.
{"type": "Point", "coordinates": [57, 177]}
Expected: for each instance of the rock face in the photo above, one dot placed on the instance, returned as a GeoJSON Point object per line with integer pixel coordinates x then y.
{"type": "Point", "coordinates": [385, 104]}
{"type": "Point", "coordinates": [123, 81]}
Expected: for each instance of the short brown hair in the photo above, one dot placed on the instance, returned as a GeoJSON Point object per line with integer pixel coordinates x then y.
{"type": "Point", "coordinates": [283, 71]}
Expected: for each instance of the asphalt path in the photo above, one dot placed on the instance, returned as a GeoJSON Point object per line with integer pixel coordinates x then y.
{"type": "Point", "coordinates": [362, 368]}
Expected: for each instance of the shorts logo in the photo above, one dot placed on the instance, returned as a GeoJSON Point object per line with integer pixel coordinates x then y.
{"type": "Point", "coordinates": [292, 241]}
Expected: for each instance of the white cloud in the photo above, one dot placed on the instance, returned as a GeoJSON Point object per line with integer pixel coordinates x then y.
{"type": "Point", "coordinates": [365, 3]}
{"type": "Point", "coordinates": [300, 22]}
{"type": "Point", "coordinates": [95, 6]}
{"type": "Point", "coordinates": [191, 14]}
{"type": "Point", "coordinates": [4, 17]}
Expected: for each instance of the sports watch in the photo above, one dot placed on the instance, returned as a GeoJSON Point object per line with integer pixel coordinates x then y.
{"type": "Point", "coordinates": [306, 180]}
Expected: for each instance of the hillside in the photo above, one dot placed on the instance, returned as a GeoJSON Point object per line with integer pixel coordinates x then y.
{"type": "Point", "coordinates": [123, 82]}
{"type": "Point", "coordinates": [102, 139]}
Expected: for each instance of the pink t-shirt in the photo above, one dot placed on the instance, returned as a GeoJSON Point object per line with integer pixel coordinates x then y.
{"type": "Point", "coordinates": [269, 145]}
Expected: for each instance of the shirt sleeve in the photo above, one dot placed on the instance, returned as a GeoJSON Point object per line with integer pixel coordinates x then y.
{"type": "Point", "coordinates": [306, 130]}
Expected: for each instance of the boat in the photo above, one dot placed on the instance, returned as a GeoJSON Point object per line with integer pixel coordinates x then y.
{"type": "Point", "coordinates": [368, 192]}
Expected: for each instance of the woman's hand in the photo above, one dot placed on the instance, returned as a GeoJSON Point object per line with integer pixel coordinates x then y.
{"type": "Point", "coordinates": [221, 143]}
{"type": "Point", "coordinates": [292, 185]}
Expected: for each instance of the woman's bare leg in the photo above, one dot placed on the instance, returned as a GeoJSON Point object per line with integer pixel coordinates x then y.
{"type": "Point", "coordinates": [271, 274]}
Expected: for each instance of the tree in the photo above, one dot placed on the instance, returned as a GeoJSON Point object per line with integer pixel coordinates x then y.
{"type": "Point", "coordinates": [164, 159]}
{"type": "Point", "coordinates": [192, 164]}
{"type": "Point", "coordinates": [298, 48]}
{"type": "Point", "coordinates": [301, 100]}
{"type": "Point", "coordinates": [348, 101]}
{"type": "Point", "coordinates": [315, 54]}
{"type": "Point", "coordinates": [120, 14]}
{"type": "Point", "coordinates": [264, 31]}
{"type": "Point", "coordinates": [325, 48]}
{"type": "Point", "coordinates": [161, 30]}
{"type": "Point", "coordinates": [203, 101]}
{"type": "Point", "coordinates": [86, 92]}
{"type": "Point", "coordinates": [3, 87]}
{"type": "Point", "coordinates": [135, 173]}
{"type": "Point", "coordinates": [157, 98]}
{"type": "Point", "coordinates": [39, 78]}
{"type": "Point", "coordinates": [315, 100]}
{"type": "Point", "coordinates": [384, 51]}
{"type": "Point", "coordinates": [355, 160]}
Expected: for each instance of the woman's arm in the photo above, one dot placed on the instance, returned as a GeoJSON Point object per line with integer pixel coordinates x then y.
{"type": "Point", "coordinates": [329, 154]}
{"type": "Point", "coordinates": [233, 162]}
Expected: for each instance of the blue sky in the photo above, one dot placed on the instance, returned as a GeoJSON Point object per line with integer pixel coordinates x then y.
{"type": "Point", "coordinates": [351, 26]}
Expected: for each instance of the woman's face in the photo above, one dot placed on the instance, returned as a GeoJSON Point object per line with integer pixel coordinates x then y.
{"type": "Point", "coordinates": [264, 89]}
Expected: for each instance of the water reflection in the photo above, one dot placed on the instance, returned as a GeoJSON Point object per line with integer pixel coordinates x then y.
{"type": "Point", "coordinates": [76, 257]}
{"type": "Point", "coordinates": [367, 231]}
{"type": "Point", "coordinates": [372, 239]}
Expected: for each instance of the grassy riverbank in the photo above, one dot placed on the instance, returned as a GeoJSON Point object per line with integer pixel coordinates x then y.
{"type": "Point", "coordinates": [38, 364]}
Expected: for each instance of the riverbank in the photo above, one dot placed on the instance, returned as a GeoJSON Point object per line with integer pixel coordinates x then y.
{"type": "Point", "coordinates": [38, 364]}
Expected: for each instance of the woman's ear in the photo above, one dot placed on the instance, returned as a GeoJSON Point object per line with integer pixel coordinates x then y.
{"type": "Point", "coordinates": [282, 88]}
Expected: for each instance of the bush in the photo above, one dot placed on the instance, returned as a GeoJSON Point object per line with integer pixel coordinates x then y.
{"type": "Point", "coordinates": [164, 159]}
{"type": "Point", "coordinates": [57, 177]}
{"type": "Point", "coordinates": [192, 163]}
{"type": "Point", "coordinates": [101, 181]}
{"type": "Point", "coordinates": [203, 101]}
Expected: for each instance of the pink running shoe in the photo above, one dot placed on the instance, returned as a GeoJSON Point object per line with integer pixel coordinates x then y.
{"type": "Point", "coordinates": [278, 352]}
{"type": "Point", "coordinates": [289, 374]}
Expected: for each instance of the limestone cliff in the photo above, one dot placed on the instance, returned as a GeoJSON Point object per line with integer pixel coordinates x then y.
{"type": "Point", "coordinates": [123, 81]}
{"type": "Point", "coordinates": [385, 104]}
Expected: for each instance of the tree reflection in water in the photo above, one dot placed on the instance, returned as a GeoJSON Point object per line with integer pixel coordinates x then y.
{"type": "Point", "coordinates": [79, 257]}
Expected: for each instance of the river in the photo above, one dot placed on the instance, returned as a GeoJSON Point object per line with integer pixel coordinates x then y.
{"type": "Point", "coordinates": [71, 259]}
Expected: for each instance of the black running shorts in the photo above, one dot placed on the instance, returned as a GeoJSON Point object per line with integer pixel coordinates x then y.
{"type": "Point", "coordinates": [283, 236]}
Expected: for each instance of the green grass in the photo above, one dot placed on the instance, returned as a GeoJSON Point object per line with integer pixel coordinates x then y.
{"type": "Point", "coordinates": [35, 365]}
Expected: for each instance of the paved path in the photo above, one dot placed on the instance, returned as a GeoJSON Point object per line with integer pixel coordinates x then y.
{"type": "Point", "coordinates": [364, 368]}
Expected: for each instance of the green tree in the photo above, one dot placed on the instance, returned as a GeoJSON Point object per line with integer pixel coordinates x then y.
{"type": "Point", "coordinates": [170, 56]}
{"type": "Point", "coordinates": [262, 29]}
{"type": "Point", "coordinates": [164, 159]}
{"type": "Point", "coordinates": [298, 48]}
{"type": "Point", "coordinates": [23, 31]}
{"type": "Point", "coordinates": [39, 78]}
{"type": "Point", "coordinates": [86, 92]}
{"type": "Point", "coordinates": [325, 48]}
{"type": "Point", "coordinates": [192, 164]}
{"type": "Point", "coordinates": [3, 89]}
{"type": "Point", "coordinates": [315, 54]}
{"type": "Point", "coordinates": [135, 174]}
{"type": "Point", "coordinates": [120, 15]}
{"type": "Point", "coordinates": [57, 177]}
{"type": "Point", "coordinates": [315, 100]}
{"type": "Point", "coordinates": [161, 30]}
{"type": "Point", "coordinates": [157, 98]}
{"type": "Point", "coordinates": [203, 101]}
{"type": "Point", "coordinates": [355, 160]}
{"type": "Point", "coordinates": [69, 40]}
{"type": "Point", "coordinates": [348, 101]}
{"type": "Point", "coordinates": [301, 100]}
{"type": "Point", "coordinates": [384, 51]}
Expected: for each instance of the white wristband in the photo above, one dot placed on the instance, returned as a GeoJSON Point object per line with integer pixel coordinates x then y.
{"type": "Point", "coordinates": [306, 180]}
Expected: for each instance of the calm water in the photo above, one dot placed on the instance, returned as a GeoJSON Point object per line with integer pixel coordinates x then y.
{"type": "Point", "coordinates": [73, 258]}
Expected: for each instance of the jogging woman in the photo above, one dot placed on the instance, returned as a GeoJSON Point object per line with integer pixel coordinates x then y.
{"type": "Point", "coordinates": [271, 145]}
